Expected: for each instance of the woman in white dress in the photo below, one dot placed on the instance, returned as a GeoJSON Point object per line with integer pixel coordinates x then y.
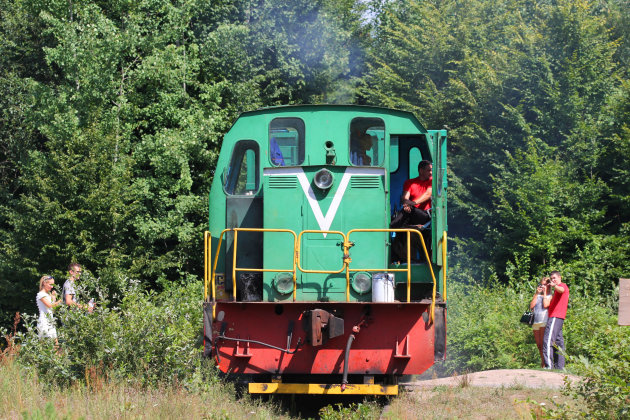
{"type": "Point", "coordinates": [539, 304]}
{"type": "Point", "coordinates": [46, 299]}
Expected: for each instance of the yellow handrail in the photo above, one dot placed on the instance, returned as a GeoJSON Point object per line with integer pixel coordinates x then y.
{"type": "Point", "coordinates": [319, 231]}
{"type": "Point", "coordinates": [345, 260]}
{"type": "Point", "coordinates": [296, 260]}
{"type": "Point", "coordinates": [273, 270]}
{"type": "Point", "coordinates": [408, 269]}
{"type": "Point", "coordinates": [213, 273]}
{"type": "Point", "coordinates": [426, 254]}
{"type": "Point", "coordinates": [206, 241]}
{"type": "Point", "coordinates": [444, 265]}
{"type": "Point", "coordinates": [409, 265]}
{"type": "Point", "coordinates": [234, 246]}
{"type": "Point", "coordinates": [234, 268]}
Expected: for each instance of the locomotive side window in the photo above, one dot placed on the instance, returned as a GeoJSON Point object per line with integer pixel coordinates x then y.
{"type": "Point", "coordinates": [242, 176]}
{"type": "Point", "coordinates": [367, 141]}
{"type": "Point", "coordinates": [286, 141]}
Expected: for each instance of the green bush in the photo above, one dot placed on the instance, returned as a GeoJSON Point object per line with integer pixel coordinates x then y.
{"type": "Point", "coordinates": [484, 332]}
{"type": "Point", "coordinates": [606, 389]}
{"type": "Point", "coordinates": [360, 411]}
{"type": "Point", "coordinates": [600, 352]}
{"type": "Point", "coordinates": [133, 335]}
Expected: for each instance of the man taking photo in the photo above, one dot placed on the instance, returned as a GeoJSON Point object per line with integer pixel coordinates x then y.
{"type": "Point", "coordinates": [553, 343]}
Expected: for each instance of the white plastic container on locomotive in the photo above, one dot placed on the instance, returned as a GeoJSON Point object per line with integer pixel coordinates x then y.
{"type": "Point", "coordinates": [383, 287]}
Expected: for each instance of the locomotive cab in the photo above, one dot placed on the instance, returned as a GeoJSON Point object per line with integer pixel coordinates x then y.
{"type": "Point", "coordinates": [301, 283]}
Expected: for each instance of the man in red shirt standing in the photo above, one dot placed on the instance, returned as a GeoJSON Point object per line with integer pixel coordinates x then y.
{"type": "Point", "coordinates": [553, 343]}
{"type": "Point", "coordinates": [416, 196]}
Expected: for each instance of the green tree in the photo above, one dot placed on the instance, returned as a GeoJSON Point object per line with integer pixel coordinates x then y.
{"type": "Point", "coordinates": [521, 85]}
{"type": "Point", "coordinates": [112, 117]}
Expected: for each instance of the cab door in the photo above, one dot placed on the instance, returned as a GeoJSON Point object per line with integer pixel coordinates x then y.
{"type": "Point", "coordinates": [244, 210]}
{"type": "Point", "coordinates": [438, 219]}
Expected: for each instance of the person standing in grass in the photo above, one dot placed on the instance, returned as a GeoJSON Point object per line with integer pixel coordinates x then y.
{"type": "Point", "coordinates": [46, 299]}
{"type": "Point", "coordinates": [539, 305]}
{"type": "Point", "coordinates": [553, 342]}
{"type": "Point", "coordinates": [69, 294]}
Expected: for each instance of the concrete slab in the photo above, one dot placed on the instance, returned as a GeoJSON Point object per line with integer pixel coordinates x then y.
{"type": "Point", "coordinates": [528, 378]}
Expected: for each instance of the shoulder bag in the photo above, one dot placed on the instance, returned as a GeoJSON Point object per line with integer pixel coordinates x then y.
{"type": "Point", "coordinates": [527, 318]}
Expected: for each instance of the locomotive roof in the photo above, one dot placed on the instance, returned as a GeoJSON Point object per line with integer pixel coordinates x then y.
{"type": "Point", "coordinates": [331, 107]}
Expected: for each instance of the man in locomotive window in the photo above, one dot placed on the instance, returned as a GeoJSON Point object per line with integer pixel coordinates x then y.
{"type": "Point", "coordinates": [275, 152]}
{"type": "Point", "coordinates": [416, 212]}
{"type": "Point", "coordinates": [360, 143]}
{"type": "Point", "coordinates": [416, 197]}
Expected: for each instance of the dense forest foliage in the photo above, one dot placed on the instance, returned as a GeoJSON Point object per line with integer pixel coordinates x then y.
{"type": "Point", "coordinates": [112, 113]}
{"type": "Point", "coordinates": [111, 119]}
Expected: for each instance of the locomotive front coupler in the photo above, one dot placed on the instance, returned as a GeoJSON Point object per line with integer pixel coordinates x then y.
{"type": "Point", "coordinates": [321, 325]}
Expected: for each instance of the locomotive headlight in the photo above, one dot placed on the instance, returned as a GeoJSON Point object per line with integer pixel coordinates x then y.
{"type": "Point", "coordinates": [283, 282]}
{"type": "Point", "coordinates": [323, 179]}
{"type": "Point", "coordinates": [361, 282]}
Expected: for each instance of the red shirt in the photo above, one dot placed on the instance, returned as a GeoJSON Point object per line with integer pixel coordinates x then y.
{"type": "Point", "coordinates": [416, 188]}
{"type": "Point", "coordinates": [559, 303]}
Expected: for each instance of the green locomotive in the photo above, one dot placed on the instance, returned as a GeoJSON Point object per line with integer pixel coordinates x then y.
{"type": "Point", "coordinates": [307, 287]}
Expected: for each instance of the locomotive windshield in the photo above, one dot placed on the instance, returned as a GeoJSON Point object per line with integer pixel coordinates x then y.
{"type": "Point", "coordinates": [241, 177]}
{"type": "Point", "coordinates": [286, 141]}
{"type": "Point", "coordinates": [367, 141]}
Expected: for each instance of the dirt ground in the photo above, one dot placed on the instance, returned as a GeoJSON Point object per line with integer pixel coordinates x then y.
{"type": "Point", "coordinates": [528, 378]}
{"type": "Point", "coordinates": [490, 395]}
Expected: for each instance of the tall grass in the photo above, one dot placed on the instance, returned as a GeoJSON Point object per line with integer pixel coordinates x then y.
{"type": "Point", "coordinates": [471, 402]}
{"type": "Point", "coordinates": [138, 355]}
{"type": "Point", "coordinates": [24, 395]}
